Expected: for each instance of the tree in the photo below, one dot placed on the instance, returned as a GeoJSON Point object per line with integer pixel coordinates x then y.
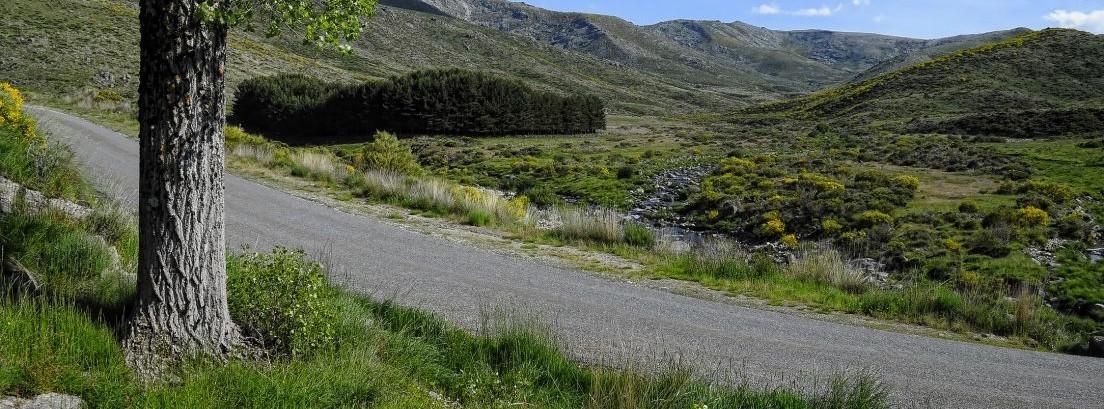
{"type": "Point", "coordinates": [182, 308]}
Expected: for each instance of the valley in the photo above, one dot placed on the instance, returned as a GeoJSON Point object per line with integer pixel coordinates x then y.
{"type": "Point", "coordinates": [816, 199]}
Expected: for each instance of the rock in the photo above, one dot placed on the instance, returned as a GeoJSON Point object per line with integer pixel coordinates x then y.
{"type": "Point", "coordinates": [873, 271]}
{"type": "Point", "coordinates": [1096, 344]}
{"type": "Point", "coordinates": [1096, 255]}
{"type": "Point", "coordinates": [13, 194]}
{"type": "Point", "coordinates": [44, 401]}
{"type": "Point", "coordinates": [20, 275]}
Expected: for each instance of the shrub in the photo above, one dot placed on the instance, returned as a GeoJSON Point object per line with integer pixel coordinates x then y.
{"type": "Point", "coordinates": [626, 172]}
{"type": "Point", "coordinates": [11, 113]}
{"type": "Point", "coordinates": [773, 228]}
{"type": "Point", "coordinates": [639, 235]}
{"type": "Point", "coordinates": [874, 217]}
{"type": "Point", "coordinates": [790, 240]}
{"type": "Point", "coordinates": [235, 137]}
{"type": "Point", "coordinates": [386, 153]}
{"type": "Point", "coordinates": [831, 226]}
{"type": "Point", "coordinates": [911, 183]}
{"type": "Point", "coordinates": [968, 207]}
{"type": "Point", "coordinates": [282, 300]}
{"type": "Point", "coordinates": [1032, 216]}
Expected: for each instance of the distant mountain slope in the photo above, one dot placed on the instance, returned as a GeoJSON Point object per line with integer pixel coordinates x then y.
{"type": "Point", "coordinates": [60, 48]}
{"type": "Point", "coordinates": [1047, 83]}
{"type": "Point", "coordinates": [711, 54]}
{"type": "Point", "coordinates": [936, 48]}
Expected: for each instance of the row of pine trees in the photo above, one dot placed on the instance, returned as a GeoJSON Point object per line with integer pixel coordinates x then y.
{"type": "Point", "coordinates": [300, 109]}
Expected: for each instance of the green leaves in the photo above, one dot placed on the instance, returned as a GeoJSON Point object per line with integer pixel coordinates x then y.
{"type": "Point", "coordinates": [324, 23]}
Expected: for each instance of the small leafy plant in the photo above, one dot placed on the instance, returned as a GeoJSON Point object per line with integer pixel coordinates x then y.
{"type": "Point", "coordinates": [283, 301]}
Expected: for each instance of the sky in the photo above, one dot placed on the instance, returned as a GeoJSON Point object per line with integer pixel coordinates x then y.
{"type": "Point", "coordinates": [918, 19]}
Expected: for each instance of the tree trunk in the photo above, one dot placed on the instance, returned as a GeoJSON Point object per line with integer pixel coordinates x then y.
{"type": "Point", "coordinates": [181, 309]}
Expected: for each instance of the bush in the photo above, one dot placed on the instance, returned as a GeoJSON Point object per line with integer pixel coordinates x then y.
{"type": "Point", "coordinates": [387, 154]}
{"type": "Point", "coordinates": [282, 300]}
{"type": "Point", "coordinates": [1032, 216]}
{"type": "Point", "coordinates": [11, 113]}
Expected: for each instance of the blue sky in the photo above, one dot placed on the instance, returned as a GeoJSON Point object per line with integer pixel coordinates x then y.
{"type": "Point", "coordinates": [921, 18]}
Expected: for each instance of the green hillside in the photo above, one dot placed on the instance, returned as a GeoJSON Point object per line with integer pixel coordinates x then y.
{"type": "Point", "coordinates": [81, 49]}
{"type": "Point", "coordinates": [1052, 76]}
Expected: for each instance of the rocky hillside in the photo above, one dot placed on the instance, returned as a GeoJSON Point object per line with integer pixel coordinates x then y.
{"type": "Point", "coordinates": [732, 58]}
{"type": "Point", "coordinates": [85, 48]}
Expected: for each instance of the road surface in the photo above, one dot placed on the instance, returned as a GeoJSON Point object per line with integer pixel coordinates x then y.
{"type": "Point", "coordinates": [610, 321]}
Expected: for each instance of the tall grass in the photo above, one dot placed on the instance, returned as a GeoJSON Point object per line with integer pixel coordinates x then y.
{"type": "Point", "coordinates": [319, 165]}
{"type": "Point", "coordinates": [826, 266]}
{"type": "Point", "coordinates": [263, 154]}
{"type": "Point", "coordinates": [596, 224]}
{"type": "Point", "coordinates": [719, 258]}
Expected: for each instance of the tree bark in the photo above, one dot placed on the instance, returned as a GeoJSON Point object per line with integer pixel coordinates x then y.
{"type": "Point", "coordinates": [181, 309]}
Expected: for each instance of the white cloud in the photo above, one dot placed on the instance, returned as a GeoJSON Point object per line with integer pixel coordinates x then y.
{"type": "Point", "coordinates": [879, 19]}
{"type": "Point", "coordinates": [860, 2]}
{"type": "Point", "coordinates": [767, 9]}
{"type": "Point", "coordinates": [822, 11]}
{"type": "Point", "coordinates": [1091, 21]}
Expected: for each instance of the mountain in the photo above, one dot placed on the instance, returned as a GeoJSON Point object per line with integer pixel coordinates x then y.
{"type": "Point", "coordinates": [66, 47]}
{"type": "Point", "coordinates": [1033, 84]}
{"type": "Point", "coordinates": [936, 48]}
{"type": "Point", "coordinates": [734, 57]}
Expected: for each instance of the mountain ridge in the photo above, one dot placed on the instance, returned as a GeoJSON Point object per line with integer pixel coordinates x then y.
{"type": "Point", "coordinates": [710, 53]}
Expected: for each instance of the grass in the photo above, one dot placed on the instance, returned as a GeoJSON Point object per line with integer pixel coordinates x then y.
{"type": "Point", "coordinates": [821, 280]}
{"type": "Point", "coordinates": [398, 358]}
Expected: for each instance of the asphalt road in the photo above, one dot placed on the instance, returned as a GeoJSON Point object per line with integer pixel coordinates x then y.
{"type": "Point", "coordinates": [609, 321]}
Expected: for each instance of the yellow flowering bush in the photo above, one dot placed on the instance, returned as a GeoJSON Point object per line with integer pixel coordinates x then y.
{"type": "Point", "coordinates": [11, 104]}
{"type": "Point", "coordinates": [518, 208]}
{"type": "Point", "coordinates": [1032, 216]}
{"type": "Point", "coordinates": [773, 228]}
{"type": "Point", "coordinates": [11, 113]}
{"type": "Point", "coordinates": [737, 165]}
{"type": "Point", "coordinates": [790, 240]}
{"type": "Point", "coordinates": [821, 183]}
{"type": "Point", "coordinates": [908, 182]}
{"type": "Point", "coordinates": [831, 226]}
{"type": "Point", "coordinates": [236, 136]}
{"type": "Point", "coordinates": [952, 245]}
{"type": "Point", "coordinates": [874, 217]}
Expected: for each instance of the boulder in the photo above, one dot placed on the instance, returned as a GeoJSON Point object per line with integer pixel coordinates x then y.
{"type": "Point", "coordinates": [44, 401]}
{"type": "Point", "coordinates": [1096, 344]}
{"type": "Point", "coordinates": [13, 194]}
{"type": "Point", "coordinates": [873, 271]}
